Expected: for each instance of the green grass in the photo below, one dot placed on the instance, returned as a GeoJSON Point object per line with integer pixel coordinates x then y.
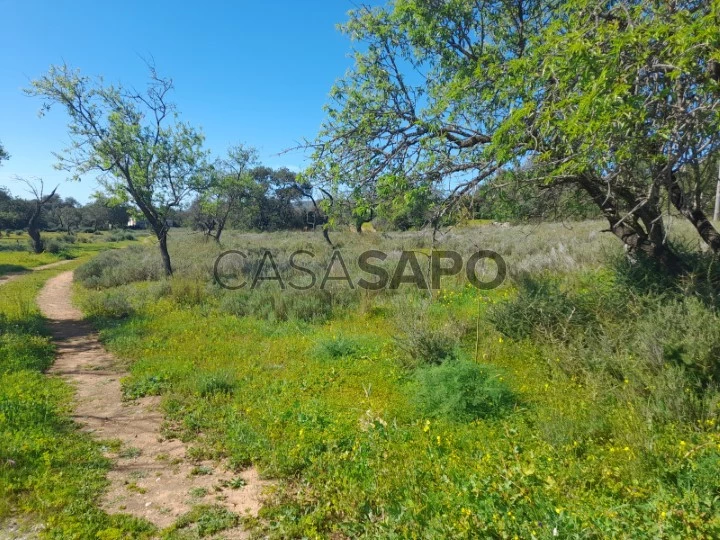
{"type": "Point", "coordinates": [49, 470]}
{"type": "Point", "coordinates": [565, 401]}
{"type": "Point", "coordinates": [15, 255]}
{"type": "Point", "coordinates": [367, 437]}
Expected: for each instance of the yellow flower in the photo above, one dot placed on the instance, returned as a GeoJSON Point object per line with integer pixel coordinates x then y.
{"type": "Point", "coordinates": [426, 427]}
{"type": "Point", "coordinates": [500, 339]}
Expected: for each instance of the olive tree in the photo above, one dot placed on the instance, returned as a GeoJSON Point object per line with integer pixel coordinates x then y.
{"type": "Point", "coordinates": [133, 139]}
{"type": "Point", "coordinates": [615, 98]}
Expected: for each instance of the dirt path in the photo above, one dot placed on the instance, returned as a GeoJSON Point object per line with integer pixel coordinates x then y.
{"type": "Point", "coordinates": [12, 276]}
{"type": "Point", "coordinates": [151, 477]}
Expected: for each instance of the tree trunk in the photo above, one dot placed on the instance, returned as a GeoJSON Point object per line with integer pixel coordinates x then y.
{"type": "Point", "coordinates": [162, 239]}
{"type": "Point", "coordinates": [220, 228]}
{"type": "Point", "coordinates": [326, 236]}
{"type": "Point", "coordinates": [694, 215]}
{"type": "Point", "coordinates": [36, 240]}
{"type": "Point", "coordinates": [34, 230]}
{"type": "Point", "coordinates": [649, 244]}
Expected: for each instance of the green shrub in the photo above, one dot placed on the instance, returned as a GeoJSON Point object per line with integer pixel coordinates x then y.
{"type": "Point", "coordinates": [187, 292]}
{"type": "Point", "coordinates": [337, 347]}
{"type": "Point", "coordinates": [425, 344]}
{"type": "Point", "coordinates": [461, 390]}
{"type": "Point", "coordinates": [312, 306]}
{"type": "Point", "coordinates": [683, 333]}
{"type": "Point", "coordinates": [541, 310]}
{"type": "Point", "coordinates": [108, 305]}
{"type": "Point", "coordinates": [54, 246]}
{"type": "Point", "coordinates": [120, 267]}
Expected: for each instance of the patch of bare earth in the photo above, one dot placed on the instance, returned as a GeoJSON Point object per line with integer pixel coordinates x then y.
{"type": "Point", "coordinates": [151, 477]}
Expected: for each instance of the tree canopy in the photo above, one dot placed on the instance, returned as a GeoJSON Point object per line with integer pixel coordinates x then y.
{"type": "Point", "coordinates": [615, 98]}
{"type": "Point", "coordinates": [133, 139]}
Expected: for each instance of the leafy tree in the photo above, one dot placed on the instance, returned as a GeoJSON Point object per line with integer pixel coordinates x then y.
{"type": "Point", "coordinates": [64, 213]}
{"type": "Point", "coordinates": [281, 204]}
{"type": "Point", "coordinates": [106, 212]}
{"type": "Point", "coordinates": [13, 211]}
{"type": "Point", "coordinates": [143, 153]}
{"type": "Point", "coordinates": [616, 98]}
{"type": "Point", "coordinates": [231, 190]}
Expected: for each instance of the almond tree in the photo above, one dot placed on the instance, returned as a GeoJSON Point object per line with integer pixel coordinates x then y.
{"type": "Point", "coordinates": [133, 139]}
{"type": "Point", "coordinates": [615, 98]}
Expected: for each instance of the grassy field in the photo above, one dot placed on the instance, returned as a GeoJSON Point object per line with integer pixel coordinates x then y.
{"type": "Point", "coordinates": [577, 400]}
{"type": "Point", "coordinates": [15, 255]}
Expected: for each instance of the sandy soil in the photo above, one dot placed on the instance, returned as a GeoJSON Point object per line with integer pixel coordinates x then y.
{"type": "Point", "coordinates": [151, 477]}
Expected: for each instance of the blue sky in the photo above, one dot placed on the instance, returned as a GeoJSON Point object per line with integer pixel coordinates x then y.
{"type": "Point", "coordinates": [253, 72]}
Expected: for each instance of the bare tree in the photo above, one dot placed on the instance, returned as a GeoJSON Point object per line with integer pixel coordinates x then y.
{"type": "Point", "coordinates": [40, 200]}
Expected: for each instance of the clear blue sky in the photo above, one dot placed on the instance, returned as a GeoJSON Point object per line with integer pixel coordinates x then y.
{"type": "Point", "coordinates": [253, 72]}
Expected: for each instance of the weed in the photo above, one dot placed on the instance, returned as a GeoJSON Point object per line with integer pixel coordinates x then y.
{"type": "Point", "coordinates": [462, 391]}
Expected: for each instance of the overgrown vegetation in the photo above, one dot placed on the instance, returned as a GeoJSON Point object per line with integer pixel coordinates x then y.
{"type": "Point", "coordinates": [566, 400]}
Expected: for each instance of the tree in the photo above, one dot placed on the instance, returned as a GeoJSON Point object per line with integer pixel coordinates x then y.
{"type": "Point", "coordinates": [616, 98]}
{"type": "Point", "coordinates": [39, 202]}
{"type": "Point", "coordinates": [64, 213]}
{"type": "Point", "coordinates": [13, 211]}
{"type": "Point", "coordinates": [133, 139]}
{"type": "Point", "coordinates": [231, 189]}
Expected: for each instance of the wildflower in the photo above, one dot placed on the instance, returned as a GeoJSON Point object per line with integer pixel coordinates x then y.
{"type": "Point", "coordinates": [426, 427]}
{"type": "Point", "coordinates": [500, 339]}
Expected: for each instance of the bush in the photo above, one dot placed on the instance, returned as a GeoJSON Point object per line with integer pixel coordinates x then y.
{"type": "Point", "coordinates": [108, 305]}
{"type": "Point", "coordinates": [187, 292]}
{"type": "Point", "coordinates": [337, 347]}
{"type": "Point", "coordinates": [120, 267]}
{"type": "Point", "coordinates": [461, 390]}
{"type": "Point", "coordinates": [685, 334]}
{"type": "Point", "coordinates": [54, 246]}
{"type": "Point", "coordinates": [423, 343]}
{"type": "Point", "coordinates": [541, 310]}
